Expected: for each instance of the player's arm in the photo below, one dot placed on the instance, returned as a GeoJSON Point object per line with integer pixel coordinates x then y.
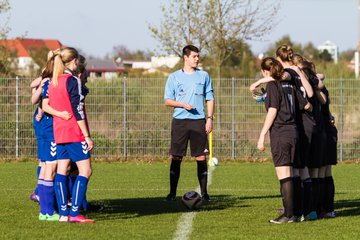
{"type": "Point", "coordinates": [173, 103]}
{"type": "Point", "coordinates": [269, 120]}
{"type": "Point", "coordinates": [37, 90]}
{"type": "Point", "coordinates": [210, 116]}
{"type": "Point", "coordinates": [76, 99]}
{"type": "Point", "coordinates": [321, 77]}
{"type": "Point", "coordinates": [256, 84]}
{"type": "Point", "coordinates": [304, 81]}
{"type": "Point", "coordinates": [320, 96]}
{"type": "Point", "coordinates": [48, 109]}
{"type": "Point", "coordinates": [36, 82]}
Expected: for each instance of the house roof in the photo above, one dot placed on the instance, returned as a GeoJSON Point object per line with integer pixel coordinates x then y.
{"type": "Point", "coordinates": [100, 65]}
{"type": "Point", "coordinates": [23, 45]}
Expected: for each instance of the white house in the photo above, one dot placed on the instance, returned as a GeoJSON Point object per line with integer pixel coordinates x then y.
{"type": "Point", "coordinates": [331, 48]}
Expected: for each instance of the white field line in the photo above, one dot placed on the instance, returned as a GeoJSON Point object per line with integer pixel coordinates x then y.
{"type": "Point", "coordinates": [184, 226]}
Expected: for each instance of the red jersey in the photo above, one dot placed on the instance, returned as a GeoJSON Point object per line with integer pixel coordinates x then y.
{"type": "Point", "coordinates": [67, 96]}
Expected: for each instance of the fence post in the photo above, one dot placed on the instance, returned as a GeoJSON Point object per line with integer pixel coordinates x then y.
{"type": "Point", "coordinates": [124, 121]}
{"type": "Point", "coordinates": [233, 118]}
{"type": "Point", "coordinates": [17, 118]}
{"type": "Point", "coordinates": [341, 120]}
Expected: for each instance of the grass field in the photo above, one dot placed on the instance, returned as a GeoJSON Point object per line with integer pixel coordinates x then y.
{"type": "Point", "coordinates": [244, 197]}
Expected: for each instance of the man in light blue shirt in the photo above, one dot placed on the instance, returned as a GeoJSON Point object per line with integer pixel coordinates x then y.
{"type": "Point", "coordinates": [186, 91]}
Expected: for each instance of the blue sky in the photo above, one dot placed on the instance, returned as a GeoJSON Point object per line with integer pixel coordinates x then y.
{"type": "Point", "coordinates": [97, 26]}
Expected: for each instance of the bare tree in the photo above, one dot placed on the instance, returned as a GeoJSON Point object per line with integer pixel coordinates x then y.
{"type": "Point", "coordinates": [183, 22]}
{"type": "Point", "coordinates": [215, 26]}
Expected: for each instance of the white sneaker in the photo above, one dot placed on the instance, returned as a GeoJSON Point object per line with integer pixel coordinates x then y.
{"type": "Point", "coordinates": [63, 218]}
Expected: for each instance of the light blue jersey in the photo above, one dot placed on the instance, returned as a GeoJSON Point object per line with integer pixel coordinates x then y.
{"type": "Point", "coordinates": [192, 89]}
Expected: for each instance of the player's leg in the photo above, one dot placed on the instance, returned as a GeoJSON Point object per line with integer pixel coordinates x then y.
{"type": "Point", "coordinates": [178, 146]}
{"type": "Point", "coordinates": [49, 190]}
{"type": "Point", "coordinates": [330, 193]}
{"type": "Point", "coordinates": [199, 147]}
{"type": "Point", "coordinates": [35, 194]}
{"type": "Point", "coordinates": [298, 194]}
{"type": "Point", "coordinates": [83, 163]}
{"type": "Point", "coordinates": [60, 183]}
{"type": "Point", "coordinates": [40, 186]}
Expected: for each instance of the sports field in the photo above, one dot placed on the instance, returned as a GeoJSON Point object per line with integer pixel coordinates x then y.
{"type": "Point", "coordinates": [244, 197]}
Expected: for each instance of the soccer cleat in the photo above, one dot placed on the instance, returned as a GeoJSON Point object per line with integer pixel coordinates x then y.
{"type": "Point", "coordinates": [54, 217]}
{"type": "Point", "coordinates": [34, 198]}
{"type": "Point", "coordinates": [311, 216]}
{"type": "Point", "coordinates": [329, 215]}
{"type": "Point", "coordinates": [170, 197]}
{"type": "Point", "coordinates": [63, 218]}
{"type": "Point", "coordinates": [94, 207]}
{"type": "Point", "coordinates": [80, 219]}
{"type": "Point", "coordinates": [205, 198]}
{"type": "Point", "coordinates": [283, 219]}
{"type": "Point", "coordinates": [42, 217]}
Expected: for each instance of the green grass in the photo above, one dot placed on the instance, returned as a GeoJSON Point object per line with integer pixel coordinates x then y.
{"type": "Point", "coordinates": [244, 197]}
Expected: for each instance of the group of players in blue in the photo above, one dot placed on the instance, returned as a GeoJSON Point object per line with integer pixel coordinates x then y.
{"type": "Point", "coordinates": [63, 138]}
{"type": "Point", "coordinates": [303, 137]}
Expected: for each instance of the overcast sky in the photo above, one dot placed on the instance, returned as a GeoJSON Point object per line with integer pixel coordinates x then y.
{"type": "Point", "coordinates": [97, 26]}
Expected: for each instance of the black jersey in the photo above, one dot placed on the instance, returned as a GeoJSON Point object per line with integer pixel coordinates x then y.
{"type": "Point", "coordinates": [282, 96]}
{"type": "Point", "coordinates": [316, 104]}
{"type": "Point", "coordinates": [306, 118]}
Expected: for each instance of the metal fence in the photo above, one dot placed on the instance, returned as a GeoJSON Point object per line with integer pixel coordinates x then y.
{"type": "Point", "coordinates": [128, 119]}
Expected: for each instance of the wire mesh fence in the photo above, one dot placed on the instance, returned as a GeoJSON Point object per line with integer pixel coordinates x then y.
{"type": "Point", "coordinates": [129, 120]}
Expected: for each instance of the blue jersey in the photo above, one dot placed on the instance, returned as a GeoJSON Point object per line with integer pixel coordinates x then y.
{"type": "Point", "coordinates": [192, 89]}
{"type": "Point", "coordinates": [37, 125]}
{"type": "Point", "coordinates": [47, 131]}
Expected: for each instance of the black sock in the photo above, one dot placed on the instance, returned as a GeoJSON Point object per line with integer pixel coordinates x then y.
{"type": "Point", "coordinates": [298, 196]}
{"type": "Point", "coordinates": [174, 175]}
{"type": "Point", "coordinates": [308, 197]}
{"type": "Point", "coordinates": [315, 193]}
{"type": "Point", "coordinates": [322, 192]}
{"type": "Point", "coordinates": [202, 176]}
{"type": "Point", "coordinates": [330, 193]}
{"type": "Point", "coordinates": [287, 191]}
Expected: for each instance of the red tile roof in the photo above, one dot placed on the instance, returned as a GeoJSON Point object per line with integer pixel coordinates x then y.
{"type": "Point", "coordinates": [23, 45]}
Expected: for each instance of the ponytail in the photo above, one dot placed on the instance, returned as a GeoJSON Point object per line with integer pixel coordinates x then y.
{"type": "Point", "coordinates": [273, 66]}
{"type": "Point", "coordinates": [285, 53]}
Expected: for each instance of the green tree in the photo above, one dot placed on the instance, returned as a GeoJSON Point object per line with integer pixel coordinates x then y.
{"type": "Point", "coordinates": [39, 56]}
{"type": "Point", "coordinates": [7, 56]}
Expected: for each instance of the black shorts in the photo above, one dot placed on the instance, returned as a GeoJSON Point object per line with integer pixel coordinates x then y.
{"type": "Point", "coordinates": [304, 146]}
{"type": "Point", "coordinates": [283, 150]}
{"type": "Point", "coordinates": [183, 130]}
{"type": "Point", "coordinates": [330, 154]}
{"type": "Point", "coordinates": [318, 148]}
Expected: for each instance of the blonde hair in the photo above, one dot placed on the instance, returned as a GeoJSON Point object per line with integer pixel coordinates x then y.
{"type": "Point", "coordinates": [285, 53]}
{"type": "Point", "coordinates": [60, 59]}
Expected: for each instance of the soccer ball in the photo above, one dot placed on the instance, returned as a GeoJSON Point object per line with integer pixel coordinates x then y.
{"type": "Point", "coordinates": [191, 200]}
{"type": "Point", "coordinates": [214, 162]}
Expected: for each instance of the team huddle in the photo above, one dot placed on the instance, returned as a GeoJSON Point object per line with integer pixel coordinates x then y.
{"type": "Point", "coordinates": [303, 138]}
{"type": "Point", "coordinates": [63, 138]}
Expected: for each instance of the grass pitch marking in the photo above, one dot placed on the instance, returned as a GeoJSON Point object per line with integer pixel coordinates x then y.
{"type": "Point", "coordinates": [184, 226]}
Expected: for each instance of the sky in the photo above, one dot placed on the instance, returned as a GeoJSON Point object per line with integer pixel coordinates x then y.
{"type": "Point", "coordinates": [96, 27]}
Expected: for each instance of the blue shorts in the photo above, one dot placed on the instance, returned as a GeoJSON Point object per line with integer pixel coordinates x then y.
{"type": "Point", "coordinates": [40, 143]}
{"type": "Point", "coordinates": [75, 151]}
{"type": "Point", "coordinates": [48, 152]}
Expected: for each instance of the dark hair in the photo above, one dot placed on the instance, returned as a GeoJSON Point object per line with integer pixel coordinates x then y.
{"type": "Point", "coordinates": [188, 49]}
{"type": "Point", "coordinates": [285, 53]}
{"type": "Point", "coordinates": [273, 66]}
{"type": "Point", "coordinates": [81, 64]}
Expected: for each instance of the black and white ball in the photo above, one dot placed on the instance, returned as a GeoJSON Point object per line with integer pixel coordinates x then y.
{"type": "Point", "coordinates": [191, 200]}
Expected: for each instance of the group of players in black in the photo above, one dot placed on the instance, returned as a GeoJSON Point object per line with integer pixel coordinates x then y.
{"type": "Point", "coordinates": [303, 137]}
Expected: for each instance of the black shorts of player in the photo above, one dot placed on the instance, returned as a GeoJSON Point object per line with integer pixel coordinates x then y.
{"type": "Point", "coordinates": [185, 130]}
{"type": "Point", "coordinates": [304, 146]}
{"type": "Point", "coordinates": [318, 147]}
{"type": "Point", "coordinates": [283, 149]}
{"type": "Point", "coordinates": [330, 154]}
